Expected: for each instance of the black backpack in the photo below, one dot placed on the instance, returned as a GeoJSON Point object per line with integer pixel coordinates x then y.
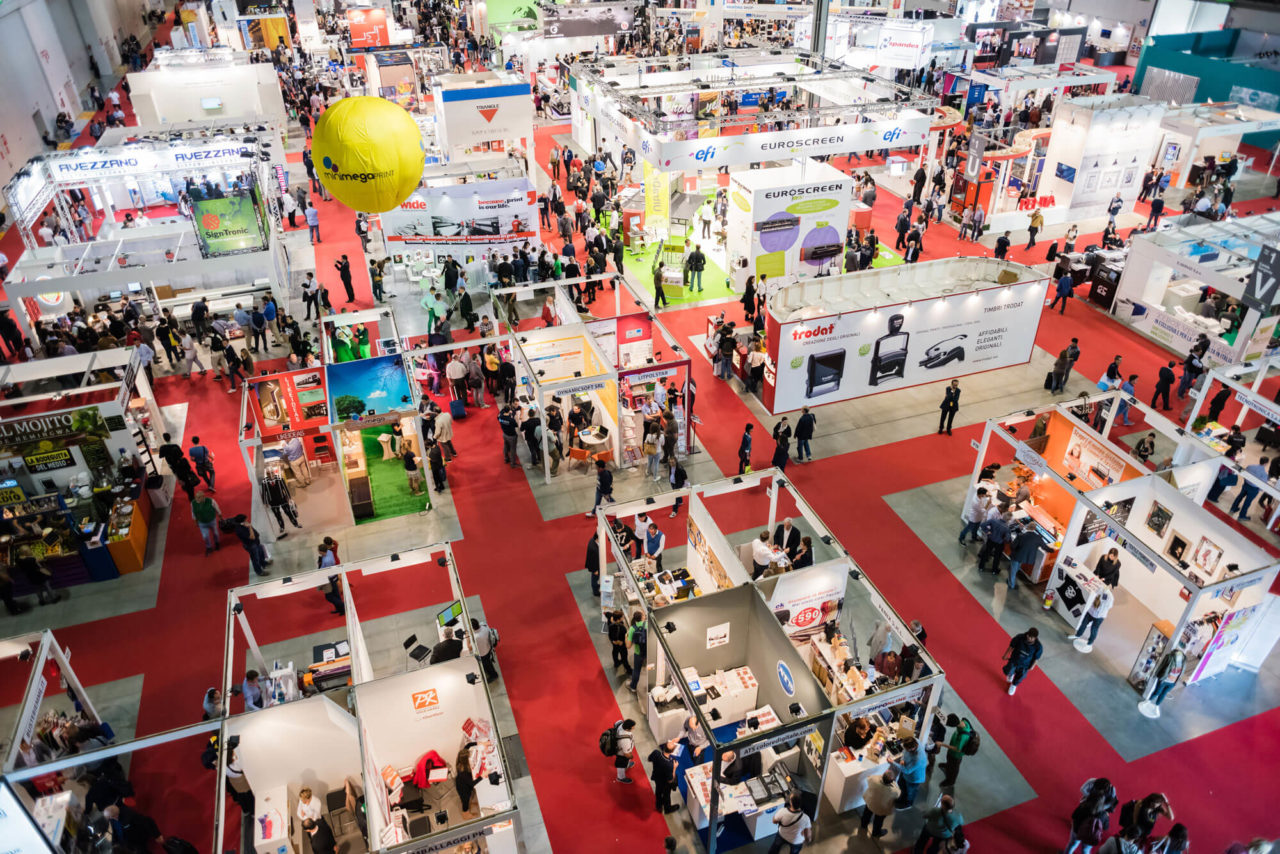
{"type": "Point", "coordinates": [609, 740]}
{"type": "Point", "coordinates": [974, 743]}
{"type": "Point", "coordinates": [640, 637]}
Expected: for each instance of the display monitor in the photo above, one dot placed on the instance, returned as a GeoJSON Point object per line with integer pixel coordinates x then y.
{"type": "Point", "coordinates": [211, 103]}
{"type": "Point", "coordinates": [449, 616]}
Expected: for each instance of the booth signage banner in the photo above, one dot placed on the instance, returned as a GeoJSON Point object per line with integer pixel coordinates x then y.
{"type": "Point", "coordinates": [227, 226]}
{"type": "Point", "coordinates": [444, 843]}
{"type": "Point", "coordinates": [717, 635]}
{"type": "Point", "coordinates": [48, 461]}
{"type": "Point", "coordinates": [1092, 461]}
{"type": "Point", "coordinates": [603, 19]}
{"type": "Point", "coordinates": [39, 428]}
{"type": "Point", "coordinates": [1259, 406]}
{"type": "Point", "coordinates": [28, 728]}
{"type": "Point", "coordinates": [909, 129]}
{"type": "Point", "coordinates": [17, 829]}
{"type": "Point", "coordinates": [11, 493]}
{"type": "Point", "coordinates": [783, 738]}
{"type": "Point", "coordinates": [647, 376]}
{"type": "Point", "coordinates": [289, 404]}
{"type": "Point", "coordinates": [1178, 335]}
{"type": "Point", "coordinates": [489, 114]}
{"type": "Point", "coordinates": [840, 357]}
{"type": "Point", "coordinates": [902, 45]}
{"type": "Point", "coordinates": [466, 219]}
{"type": "Point", "coordinates": [795, 230]}
{"type": "Point", "coordinates": [657, 197]}
{"type": "Point", "coordinates": [136, 160]}
{"type": "Point", "coordinates": [1260, 291]}
{"type": "Point", "coordinates": [368, 27]}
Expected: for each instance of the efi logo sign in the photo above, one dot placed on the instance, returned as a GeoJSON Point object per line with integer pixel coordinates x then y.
{"type": "Point", "coordinates": [704, 155]}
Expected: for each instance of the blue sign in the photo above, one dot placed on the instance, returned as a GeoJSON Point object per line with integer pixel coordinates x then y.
{"type": "Point", "coordinates": [976, 94]}
{"type": "Point", "coordinates": [785, 679]}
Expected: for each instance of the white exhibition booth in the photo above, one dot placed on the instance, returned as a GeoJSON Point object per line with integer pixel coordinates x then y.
{"type": "Point", "coordinates": [392, 722]}
{"type": "Point", "coordinates": [841, 337]}
{"type": "Point", "coordinates": [1194, 132]}
{"type": "Point", "coordinates": [200, 84]}
{"type": "Point", "coordinates": [1100, 146]}
{"type": "Point", "coordinates": [1162, 289]}
{"type": "Point", "coordinates": [484, 113]}
{"type": "Point", "coordinates": [774, 671]}
{"type": "Point", "coordinates": [788, 222]}
{"type": "Point", "coordinates": [1190, 573]}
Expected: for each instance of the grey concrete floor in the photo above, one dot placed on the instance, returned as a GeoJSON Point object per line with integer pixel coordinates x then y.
{"type": "Point", "coordinates": [1095, 683]}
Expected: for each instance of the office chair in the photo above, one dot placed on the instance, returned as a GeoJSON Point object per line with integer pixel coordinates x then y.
{"type": "Point", "coordinates": [415, 651]}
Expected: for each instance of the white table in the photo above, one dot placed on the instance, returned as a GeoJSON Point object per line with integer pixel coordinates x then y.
{"type": "Point", "coordinates": [737, 689]}
{"type": "Point", "coordinates": [274, 805]}
{"type": "Point", "coordinates": [668, 724]}
{"type": "Point", "coordinates": [733, 799]}
{"type": "Point", "coordinates": [846, 781]}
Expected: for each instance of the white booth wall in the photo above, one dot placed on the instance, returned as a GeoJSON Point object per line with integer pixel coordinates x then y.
{"type": "Point", "coordinates": [171, 95]}
{"type": "Point", "coordinates": [311, 742]}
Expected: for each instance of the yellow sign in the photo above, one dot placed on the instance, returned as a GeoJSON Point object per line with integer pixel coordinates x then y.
{"type": "Point", "coordinates": [11, 494]}
{"type": "Point", "coordinates": [657, 197]}
{"type": "Point", "coordinates": [50, 461]}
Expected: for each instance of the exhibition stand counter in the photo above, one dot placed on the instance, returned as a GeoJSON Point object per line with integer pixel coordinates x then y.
{"type": "Point", "coordinates": [1169, 274]}
{"type": "Point", "coordinates": [841, 337]}
{"type": "Point", "coordinates": [1199, 134]}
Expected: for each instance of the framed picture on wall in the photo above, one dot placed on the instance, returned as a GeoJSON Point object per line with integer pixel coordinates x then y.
{"type": "Point", "coordinates": [1129, 177]}
{"type": "Point", "coordinates": [1158, 518]}
{"type": "Point", "coordinates": [1176, 548]}
{"type": "Point", "coordinates": [1110, 179]}
{"type": "Point", "coordinates": [1206, 556]}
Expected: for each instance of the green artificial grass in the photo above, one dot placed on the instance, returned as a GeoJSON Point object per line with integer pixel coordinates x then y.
{"type": "Point", "coordinates": [391, 495]}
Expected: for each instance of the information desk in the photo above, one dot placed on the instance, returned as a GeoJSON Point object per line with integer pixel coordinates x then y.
{"type": "Point", "coordinates": [127, 539]}
{"type": "Point", "coordinates": [849, 771]}
{"type": "Point", "coordinates": [271, 821]}
{"type": "Point", "coordinates": [666, 714]}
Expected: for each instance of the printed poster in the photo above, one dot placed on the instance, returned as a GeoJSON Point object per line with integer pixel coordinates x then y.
{"type": "Point", "coordinates": [466, 219]}
{"type": "Point", "coordinates": [228, 226]}
{"type": "Point", "coordinates": [290, 402]}
{"type": "Point", "coordinates": [1091, 461]}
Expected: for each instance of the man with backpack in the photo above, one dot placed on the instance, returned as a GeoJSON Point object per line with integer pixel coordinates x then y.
{"type": "Point", "coordinates": [637, 644]}
{"type": "Point", "coordinates": [617, 742]}
{"type": "Point", "coordinates": [964, 742]}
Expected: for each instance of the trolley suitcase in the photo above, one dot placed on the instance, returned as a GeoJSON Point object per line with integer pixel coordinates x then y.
{"type": "Point", "coordinates": [1053, 251]}
{"type": "Point", "coordinates": [1048, 381]}
{"type": "Point", "coordinates": [457, 409]}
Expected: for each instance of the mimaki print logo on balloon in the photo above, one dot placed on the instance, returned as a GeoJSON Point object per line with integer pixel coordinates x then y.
{"type": "Point", "coordinates": [335, 174]}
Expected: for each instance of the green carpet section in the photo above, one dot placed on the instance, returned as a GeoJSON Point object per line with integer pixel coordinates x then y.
{"type": "Point", "coordinates": [391, 495]}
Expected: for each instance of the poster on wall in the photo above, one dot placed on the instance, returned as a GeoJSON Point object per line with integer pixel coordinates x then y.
{"type": "Point", "coordinates": [264, 33]}
{"type": "Point", "coordinates": [288, 402]}
{"type": "Point", "coordinates": [864, 352]}
{"type": "Point", "coordinates": [1091, 461]}
{"type": "Point", "coordinates": [902, 45]}
{"type": "Point", "coordinates": [523, 13]}
{"type": "Point", "coordinates": [605, 19]}
{"type": "Point", "coordinates": [374, 386]}
{"type": "Point", "coordinates": [465, 219]}
{"type": "Point", "coordinates": [806, 600]}
{"type": "Point", "coordinates": [657, 197]}
{"type": "Point", "coordinates": [368, 27]}
{"type": "Point", "coordinates": [228, 226]}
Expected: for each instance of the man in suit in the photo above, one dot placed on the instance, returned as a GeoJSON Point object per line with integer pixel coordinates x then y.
{"type": "Point", "coordinates": [450, 273]}
{"type": "Point", "coordinates": [663, 775]}
{"type": "Point", "coordinates": [1164, 384]}
{"type": "Point", "coordinates": [344, 272]}
{"type": "Point", "coordinates": [787, 537]}
{"type": "Point", "coordinates": [321, 836]}
{"type": "Point", "coordinates": [448, 649]}
{"type": "Point", "coordinates": [949, 406]}
{"type": "Point", "coordinates": [468, 311]}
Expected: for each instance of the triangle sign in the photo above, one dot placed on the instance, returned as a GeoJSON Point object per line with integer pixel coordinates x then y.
{"type": "Point", "coordinates": [488, 112]}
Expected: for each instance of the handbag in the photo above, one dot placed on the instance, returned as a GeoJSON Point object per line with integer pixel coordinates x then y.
{"type": "Point", "coordinates": [650, 448]}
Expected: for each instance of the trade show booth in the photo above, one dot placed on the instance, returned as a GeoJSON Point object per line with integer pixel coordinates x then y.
{"type": "Point", "coordinates": [773, 672]}
{"type": "Point", "coordinates": [199, 84]}
{"type": "Point", "coordinates": [354, 335]}
{"type": "Point", "coordinates": [472, 220]}
{"type": "Point", "coordinates": [487, 112]}
{"type": "Point", "coordinates": [841, 337]}
{"type": "Point", "coordinates": [1195, 280]}
{"type": "Point", "coordinates": [400, 730]}
{"type": "Point", "coordinates": [1204, 137]}
{"type": "Point", "coordinates": [79, 479]}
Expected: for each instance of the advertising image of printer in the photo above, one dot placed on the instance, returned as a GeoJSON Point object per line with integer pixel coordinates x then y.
{"type": "Point", "coordinates": [823, 372]}
{"type": "Point", "coordinates": [889, 356]}
{"type": "Point", "coordinates": [944, 352]}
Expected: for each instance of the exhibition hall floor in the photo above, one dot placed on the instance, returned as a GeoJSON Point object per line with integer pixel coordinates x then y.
{"type": "Point", "coordinates": [520, 550]}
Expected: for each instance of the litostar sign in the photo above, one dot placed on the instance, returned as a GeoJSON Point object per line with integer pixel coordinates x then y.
{"type": "Point", "coordinates": [909, 129]}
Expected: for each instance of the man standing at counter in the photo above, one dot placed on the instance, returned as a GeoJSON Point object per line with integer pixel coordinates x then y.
{"type": "Point", "coordinates": [1022, 554]}
{"type": "Point", "coordinates": [955, 748]}
{"type": "Point", "coordinates": [997, 531]}
{"type": "Point", "coordinates": [912, 769]}
{"type": "Point", "coordinates": [637, 643]}
{"type": "Point", "coordinates": [663, 774]}
{"type": "Point", "coordinates": [878, 802]}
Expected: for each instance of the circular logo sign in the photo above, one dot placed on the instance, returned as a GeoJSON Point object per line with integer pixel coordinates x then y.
{"type": "Point", "coordinates": [210, 222]}
{"type": "Point", "coordinates": [785, 679]}
{"type": "Point", "coordinates": [806, 618]}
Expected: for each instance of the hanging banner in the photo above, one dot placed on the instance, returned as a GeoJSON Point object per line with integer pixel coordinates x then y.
{"type": "Point", "coordinates": [264, 33]}
{"type": "Point", "coordinates": [137, 160]}
{"type": "Point", "coordinates": [657, 197]}
{"type": "Point", "coordinates": [483, 119]}
{"type": "Point", "coordinates": [903, 45]}
{"type": "Point", "coordinates": [602, 19]}
{"type": "Point", "coordinates": [840, 357]}
{"type": "Point", "coordinates": [910, 128]}
{"type": "Point", "coordinates": [368, 27]}
{"type": "Point", "coordinates": [228, 226]}
{"type": "Point", "coordinates": [466, 219]}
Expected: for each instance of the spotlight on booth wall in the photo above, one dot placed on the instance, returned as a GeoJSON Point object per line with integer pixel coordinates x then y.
{"type": "Point", "coordinates": [753, 723]}
{"type": "Point", "coordinates": [855, 574]}
{"type": "Point", "coordinates": [472, 678]}
{"type": "Point", "coordinates": [715, 714]}
{"type": "Point", "coordinates": [826, 538]}
{"type": "Point", "coordinates": [669, 627]}
{"type": "Point", "coordinates": [495, 778]}
{"type": "Point", "coordinates": [237, 608]}
{"type": "Point", "coordinates": [442, 561]}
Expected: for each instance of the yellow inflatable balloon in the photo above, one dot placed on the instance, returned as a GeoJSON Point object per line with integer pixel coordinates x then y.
{"type": "Point", "coordinates": [368, 152]}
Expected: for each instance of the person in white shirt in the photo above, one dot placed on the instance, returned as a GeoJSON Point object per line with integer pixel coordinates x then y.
{"type": "Point", "coordinates": [794, 827]}
{"type": "Point", "coordinates": [457, 375]}
{"type": "Point", "coordinates": [46, 234]}
{"type": "Point", "coordinates": [308, 805]}
{"type": "Point", "coordinates": [761, 555]}
{"type": "Point", "coordinates": [485, 639]}
{"type": "Point", "coordinates": [1093, 620]}
{"type": "Point", "coordinates": [975, 513]}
